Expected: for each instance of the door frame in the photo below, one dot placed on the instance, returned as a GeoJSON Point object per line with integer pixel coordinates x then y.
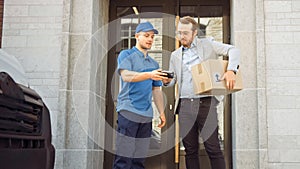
{"type": "Point", "coordinates": [170, 7]}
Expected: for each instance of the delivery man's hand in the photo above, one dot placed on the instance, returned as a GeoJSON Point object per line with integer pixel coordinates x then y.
{"type": "Point", "coordinates": [229, 77]}
{"type": "Point", "coordinates": [157, 75]}
{"type": "Point", "coordinates": [162, 120]}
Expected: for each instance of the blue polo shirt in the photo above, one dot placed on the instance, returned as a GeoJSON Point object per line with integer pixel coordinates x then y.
{"type": "Point", "coordinates": [136, 97]}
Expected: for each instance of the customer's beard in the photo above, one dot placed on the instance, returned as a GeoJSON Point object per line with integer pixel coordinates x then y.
{"type": "Point", "coordinates": [185, 44]}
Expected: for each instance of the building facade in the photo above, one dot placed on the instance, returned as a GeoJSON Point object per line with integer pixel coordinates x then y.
{"type": "Point", "coordinates": [63, 46]}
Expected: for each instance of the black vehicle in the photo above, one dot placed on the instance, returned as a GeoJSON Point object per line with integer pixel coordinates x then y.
{"type": "Point", "coordinates": [25, 128]}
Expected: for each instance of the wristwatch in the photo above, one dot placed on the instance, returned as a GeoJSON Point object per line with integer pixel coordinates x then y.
{"type": "Point", "coordinates": [236, 70]}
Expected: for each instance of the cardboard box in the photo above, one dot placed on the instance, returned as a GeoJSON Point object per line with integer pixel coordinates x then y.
{"type": "Point", "coordinates": [206, 78]}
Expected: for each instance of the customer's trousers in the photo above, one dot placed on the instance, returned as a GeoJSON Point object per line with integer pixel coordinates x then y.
{"type": "Point", "coordinates": [200, 116]}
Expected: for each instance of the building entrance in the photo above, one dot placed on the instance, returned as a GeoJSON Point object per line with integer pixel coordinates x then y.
{"type": "Point", "coordinates": [213, 18]}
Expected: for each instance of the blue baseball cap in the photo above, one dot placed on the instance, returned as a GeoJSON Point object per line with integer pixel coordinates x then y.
{"type": "Point", "coordinates": [145, 27]}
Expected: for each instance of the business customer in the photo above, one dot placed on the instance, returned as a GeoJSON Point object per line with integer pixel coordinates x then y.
{"type": "Point", "coordinates": [140, 80]}
{"type": "Point", "coordinates": [197, 113]}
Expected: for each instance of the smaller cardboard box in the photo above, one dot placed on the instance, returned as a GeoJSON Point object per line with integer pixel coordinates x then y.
{"type": "Point", "coordinates": [207, 75]}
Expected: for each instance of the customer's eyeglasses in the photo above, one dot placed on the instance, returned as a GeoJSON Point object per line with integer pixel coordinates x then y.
{"type": "Point", "coordinates": [182, 33]}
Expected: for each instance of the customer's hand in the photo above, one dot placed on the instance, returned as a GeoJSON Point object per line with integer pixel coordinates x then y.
{"type": "Point", "coordinates": [162, 120]}
{"type": "Point", "coordinates": [229, 77]}
{"type": "Point", "coordinates": [166, 81]}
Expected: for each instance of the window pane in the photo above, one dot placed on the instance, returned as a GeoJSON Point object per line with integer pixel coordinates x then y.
{"type": "Point", "coordinates": [212, 27]}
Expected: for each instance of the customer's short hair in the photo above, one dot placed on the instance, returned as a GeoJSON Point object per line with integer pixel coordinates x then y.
{"type": "Point", "coordinates": [187, 20]}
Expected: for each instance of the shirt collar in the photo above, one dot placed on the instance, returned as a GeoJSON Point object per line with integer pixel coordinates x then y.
{"type": "Point", "coordinates": [139, 53]}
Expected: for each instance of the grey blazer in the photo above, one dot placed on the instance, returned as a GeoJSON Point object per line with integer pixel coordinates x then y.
{"type": "Point", "coordinates": [207, 48]}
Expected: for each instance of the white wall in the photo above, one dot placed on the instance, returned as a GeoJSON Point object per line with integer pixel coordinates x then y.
{"type": "Point", "coordinates": [32, 32]}
{"type": "Point", "coordinates": [245, 117]}
{"type": "Point", "coordinates": [265, 114]}
{"type": "Point", "coordinates": [282, 25]}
